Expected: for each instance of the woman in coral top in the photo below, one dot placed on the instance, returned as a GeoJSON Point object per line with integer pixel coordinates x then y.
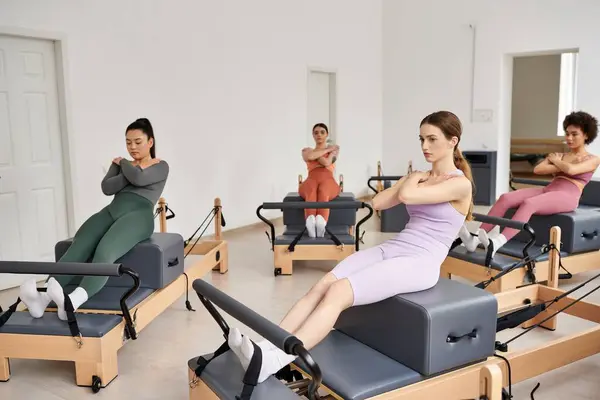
{"type": "Point", "coordinates": [320, 185]}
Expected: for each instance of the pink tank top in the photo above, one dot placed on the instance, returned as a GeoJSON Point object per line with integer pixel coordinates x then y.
{"type": "Point", "coordinates": [582, 178]}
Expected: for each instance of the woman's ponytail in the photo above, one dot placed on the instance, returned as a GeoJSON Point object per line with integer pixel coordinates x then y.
{"type": "Point", "coordinates": [462, 164]}
{"type": "Point", "coordinates": [145, 126]}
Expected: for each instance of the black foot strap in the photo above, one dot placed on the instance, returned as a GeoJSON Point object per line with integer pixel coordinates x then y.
{"type": "Point", "coordinates": [292, 245]}
{"type": "Point", "coordinates": [5, 317]}
{"type": "Point", "coordinates": [335, 239]}
{"type": "Point", "coordinates": [251, 376]}
{"type": "Point", "coordinates": [250, 379]}
{"type": "Point", "coordinates": [203, 362]}
{"type": "Point", "coordinates": [72, 321]}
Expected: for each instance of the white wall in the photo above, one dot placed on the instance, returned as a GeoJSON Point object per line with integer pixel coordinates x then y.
{"type": "Point", "coordinates": [225, 85]}
{"type": "Point", "coordinates": [535, 97]}
{"type": "Point", "coordinates": [428, 66]}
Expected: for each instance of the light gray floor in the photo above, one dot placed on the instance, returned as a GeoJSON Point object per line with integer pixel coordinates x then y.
{"type": "Point", "coordinates": [154, 366]}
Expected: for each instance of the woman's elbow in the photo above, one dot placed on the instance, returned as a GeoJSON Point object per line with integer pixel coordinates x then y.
{"type": "Point", "coordinates": [402, 197]}
{"type": "Point", "coordinates": [106, 190]}
{"type": "Point", "coordinates": [376, 203]}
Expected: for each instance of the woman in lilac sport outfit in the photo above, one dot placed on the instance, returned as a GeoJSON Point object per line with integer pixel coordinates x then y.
{"type": "Point", "coordinates": [438, 202]}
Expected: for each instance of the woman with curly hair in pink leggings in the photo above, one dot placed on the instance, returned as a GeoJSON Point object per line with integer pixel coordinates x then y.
{"type": "Point", "coordinates": [571, 171]}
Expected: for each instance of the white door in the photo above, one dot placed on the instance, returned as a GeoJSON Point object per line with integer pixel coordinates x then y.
{"type": "Point", "coordinates": [321, 103]}
{"type": "Point", "coordinates": [33, 212]}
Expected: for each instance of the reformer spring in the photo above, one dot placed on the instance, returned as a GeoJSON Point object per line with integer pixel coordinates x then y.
{"type": "Point", "coordinates": [210, 214]}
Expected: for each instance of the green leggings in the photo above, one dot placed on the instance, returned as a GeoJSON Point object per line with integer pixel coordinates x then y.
{"type": "Point", "coordinates": [107, 236]}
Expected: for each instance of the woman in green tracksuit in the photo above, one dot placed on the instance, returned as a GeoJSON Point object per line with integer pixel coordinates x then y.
{"type": "Point", "coordinates": [117, 228]}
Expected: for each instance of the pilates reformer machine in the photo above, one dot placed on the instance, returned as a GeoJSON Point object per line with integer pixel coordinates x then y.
{"type": "Point", "coordinates": [580, 248]}
{"type": "Point", "coordinates": [439, 343]}
{"type": "Point", "coordinates": [340, 238]}
{"type": "Point", "coordinates": [142, 284]}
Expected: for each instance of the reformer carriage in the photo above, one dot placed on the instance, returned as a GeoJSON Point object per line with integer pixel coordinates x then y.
{"type": "Point", "coordinates": [142, 284]}
{"type": "Point", "coordinates": [434, 344]}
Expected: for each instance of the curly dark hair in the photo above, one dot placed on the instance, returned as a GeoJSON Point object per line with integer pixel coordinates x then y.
{"type": "Point", "coordinates": [584, 121]}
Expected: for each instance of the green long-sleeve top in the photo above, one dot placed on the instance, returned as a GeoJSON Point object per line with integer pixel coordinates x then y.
{"type": "Point", "coordinates": [125, 177]}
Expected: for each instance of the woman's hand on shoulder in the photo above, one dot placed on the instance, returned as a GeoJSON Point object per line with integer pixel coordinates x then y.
{"type": "Point", "coordinates": [552, 157]}
{"type": "Point", "coordinates": [117, 160]}
{"type": "Point", "coordinates": [419, 175]}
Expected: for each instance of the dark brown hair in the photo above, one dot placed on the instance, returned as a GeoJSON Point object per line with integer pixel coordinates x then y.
{"type": "Point", "coordinates": [145, 126]}
{"type": "Point", "coordinates": [321, 125]}
{"type": "Point", "coordinates": [584, 121]}
{"type": "Point", "coordinates": [451, 126]}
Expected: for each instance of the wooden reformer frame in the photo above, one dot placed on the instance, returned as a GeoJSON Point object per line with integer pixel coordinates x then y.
{"type": "Point", "coordinates": [284, 259]}
{"type": "Point", "coordinates": [486, 379]}
{"type": "Point", "coordinates": [97, 357]}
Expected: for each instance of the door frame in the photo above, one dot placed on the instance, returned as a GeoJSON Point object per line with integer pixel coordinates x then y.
{"type": "Point", "coordinates": [333, 92]}
{"type": "Point", "coordinates": [59, 40]}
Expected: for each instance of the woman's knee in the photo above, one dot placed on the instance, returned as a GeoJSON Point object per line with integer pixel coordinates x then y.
{"type": "Point", "coordinates": [323, 284]}
{"type": "Point", "coordinates": [530, 205]}
{"type": "Point", "coordinates": [504, 198]}
{"type": "Point", "coordinates": [340, 294]}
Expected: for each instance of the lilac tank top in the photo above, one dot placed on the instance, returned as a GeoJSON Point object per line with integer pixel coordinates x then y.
{"type": "Point", "coordinates": [436, 224]}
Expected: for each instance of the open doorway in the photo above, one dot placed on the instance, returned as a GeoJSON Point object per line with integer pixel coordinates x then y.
{"type": "Point", "coordinates": [544, 91]}
{"type": "Point", "coordinates": [321, 102]}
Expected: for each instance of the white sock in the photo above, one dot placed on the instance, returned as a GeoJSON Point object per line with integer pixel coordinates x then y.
{"type": "Point", "coordinates": [35, 301]}
{"type": "Point", "coordinates": [483, 238]}
{"type": "Point", "coordinates": [469, 241]}
{"type": "Point", "coordinates": [78, 297]}
{"type": "Point", "coordinates": [320, 226]}
{"type": "Point", "coordinates": [310, 226]}
{"type": "Point", "coordinates": [272, 359]}
{"type": "Point", "coordinates": [496, 241]}
{"type": "Point", "coordinates": [56, 293]}
{"type": "Point", "coordinates": [235, 342]}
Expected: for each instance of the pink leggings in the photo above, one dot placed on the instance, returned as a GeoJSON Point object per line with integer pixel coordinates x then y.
{"type": "Point", "coordinates": [559, 196]}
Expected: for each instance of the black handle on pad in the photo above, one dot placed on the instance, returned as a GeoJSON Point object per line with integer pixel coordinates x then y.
{"type": "Point", "coordinates": [589, 235]}
{"type": "Point", "coordinates": [59, 268]}
{"type": "Point", "coordinates": [382, 178]}
{"type": "Point", "coordinates": [454, 339]}
{"type": "Point", "coordinates": [173, 262]}
{"type": "Point", "coordinates": [301, 205]}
